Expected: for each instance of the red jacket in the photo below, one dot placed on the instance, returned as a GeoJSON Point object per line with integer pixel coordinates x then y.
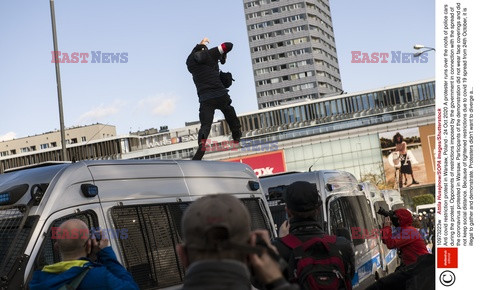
{"type": "Point", "coordinates": [408, 241]}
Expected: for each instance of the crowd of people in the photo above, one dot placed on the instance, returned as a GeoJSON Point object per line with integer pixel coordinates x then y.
{"type": "Point", "coordinates": [220, 251]}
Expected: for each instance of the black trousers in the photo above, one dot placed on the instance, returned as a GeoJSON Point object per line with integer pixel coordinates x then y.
{"type": "Point", "coordinates": [207, 112]}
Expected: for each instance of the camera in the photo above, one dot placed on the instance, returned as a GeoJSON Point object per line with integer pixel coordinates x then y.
{"type": "Point", "coordinates": [391, 214]}
{"type": "Point", "coordinates": [94, 234]}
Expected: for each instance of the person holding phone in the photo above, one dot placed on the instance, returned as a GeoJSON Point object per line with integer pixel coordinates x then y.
{"type": "Point", "coordinates": [87, 262]}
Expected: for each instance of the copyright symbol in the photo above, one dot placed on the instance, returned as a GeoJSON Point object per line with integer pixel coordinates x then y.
{"type": "Point", "coordinates": [447, 278]}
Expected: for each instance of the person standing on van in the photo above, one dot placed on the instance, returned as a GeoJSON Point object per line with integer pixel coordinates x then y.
{"type": "Point", "coordinates": [76, 271]}
{"type": "Point", "coordinates": [212, 90]}
{"type": "Point", "coordinates": [312, 255]}
{"type": "Point", "coordinates": [219, 247]}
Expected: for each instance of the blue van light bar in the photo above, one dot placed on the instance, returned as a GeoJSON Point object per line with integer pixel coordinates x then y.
{"type": "Point", "coordinates": [13, 194]}
{"type": "Point", "coordinates": [254, 185]}
{"type": "Point", "coordinates": [5, 198]}
{"type": "Point", "coordinates": [89, 190]}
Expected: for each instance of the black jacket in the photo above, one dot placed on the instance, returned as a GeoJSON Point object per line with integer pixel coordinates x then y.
{"type": "Point", "coordinates": [202, 63]}
{"type": "Point", "coordinates": [305, 229]}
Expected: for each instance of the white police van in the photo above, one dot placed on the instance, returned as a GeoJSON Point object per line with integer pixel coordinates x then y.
{"type": "Point", "coordinates": [389, 258]}
{"type": "Point", "coordinates": [393, 198]}
{"type": "Point", "coordinates": [143, 200]}
{"type": "Point", "coordinates": [344, 208]}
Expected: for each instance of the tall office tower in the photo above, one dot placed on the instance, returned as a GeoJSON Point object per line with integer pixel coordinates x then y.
{"type": "Point", "coordinates": [293, 50]}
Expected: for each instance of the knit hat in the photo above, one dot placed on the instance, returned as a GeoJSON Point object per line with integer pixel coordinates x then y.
{"type": "Point", "coordinates": [225, 47]}
{"type": "Point", "coordinates": [302, 196]}
{"type": "Point", "coordinates": [216, 211]}
{"type": "Point", "coordinates": [404, 217]}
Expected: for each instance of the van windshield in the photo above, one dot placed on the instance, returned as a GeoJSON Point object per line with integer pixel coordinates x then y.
{"type": "Point", "coordinates": [15, 231]}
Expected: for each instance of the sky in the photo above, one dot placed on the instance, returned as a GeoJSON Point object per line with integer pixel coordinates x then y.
{"type": "Point", "coordinates": [153, 87]}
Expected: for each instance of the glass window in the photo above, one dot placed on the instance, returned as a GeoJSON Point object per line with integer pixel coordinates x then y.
{"type": "Point", "coordinates": [346, 145]}
{"type": "Point", "coordinates": [297, 114]}
{"type": "Point", "coordinates": [303, 115]}
{"type": "Point", "coordinates": [349, 160]}
{"type": "Point", "coordinates": [333, 107]}
{"type": "Point", "coordinates": [408, 95]}
{"type": "Point", "coordinates": [344, 106]}
{"type": "Point", "coordinates": [397, 96]}
{"type": "Point", "coordinates": [371, 101]}
{"type": "Point", "coordinates": [346, 213]}
{"type": "Point", "coordinates": [322, 110]}
{"type": "Point", "coordinates": [327, 108]}
{"type": "Point", "coordinates": [365, 102]}
{"type": "Point", "coordinates": [402, 95]}
{"type": "Point", "coordinates": [336, 147]}
{"type": "Point", "coordinates": [359, 103]}
{"type": "Point", "coordinates": [414, 91]}
{"type": "Point", "coordinates": [291, 116]}
{"type": "Point", "coordinates": [354, 104]}
{"type": "Point", "coordinates": [421, 95]}
{"type": "Point", "coordinates": [48, 254]}
{"type": "Point", "coordinates": [431, 88]}
{"type": "Point", "coordinates": [339, 106]}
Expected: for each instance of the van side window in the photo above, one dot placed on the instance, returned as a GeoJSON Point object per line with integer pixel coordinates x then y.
{"type": "Point", "coordinates": [48, 255]}
{"type": "Point", "coordinates": [258, 214]}
{"type": "Point", "coordinates": [153, 232]}
{"type": "Point", "coordinates": [345, 212]}
{"type": "Point", "coordinates": [15, 232]}
{"type": "Point", "coordinates": [149, 249]}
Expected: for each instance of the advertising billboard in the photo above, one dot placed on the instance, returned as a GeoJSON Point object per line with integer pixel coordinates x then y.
{"type": "Point", "coordinates": [407, 156]}
{"type": "Point", "coordinates": [264, 163]}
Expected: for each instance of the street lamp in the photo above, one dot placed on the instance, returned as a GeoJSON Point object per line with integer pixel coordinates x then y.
{"type": "Point", "coordinates": [421, 46]}
{"type": "Point", "coordinates": [59, 83]}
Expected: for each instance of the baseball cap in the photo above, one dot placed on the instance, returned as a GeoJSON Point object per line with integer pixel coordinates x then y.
{"type": "Point", "coordinates": [216, 211]}
{"type": "Point", "coordinates": [302, 196]}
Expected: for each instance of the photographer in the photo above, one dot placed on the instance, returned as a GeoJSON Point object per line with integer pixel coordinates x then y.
{"type": "Point", "coordinates": [406, 239]}
{"type": "Point", "coordinates": [417, 270]}
{"type": "Point", "coordinates": [219, 247]}
{"type": "Point", "coordinates": [76, 271]}
{"type": "Point", "coordinates": [322, 254]}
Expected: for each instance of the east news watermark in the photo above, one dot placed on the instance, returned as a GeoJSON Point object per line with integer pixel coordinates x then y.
{"type": "Point", "coordinates": [89, 57]}
{"type": "Point", "coordinates": [388, 57]}
{"type": "Point", "coordinates": [246, 145]}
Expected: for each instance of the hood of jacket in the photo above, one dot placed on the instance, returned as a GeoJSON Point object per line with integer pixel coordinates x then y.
{"type": "Point", "coordinates": [58, 274]}
{"type": "Point", "coordinates": [405, 218]}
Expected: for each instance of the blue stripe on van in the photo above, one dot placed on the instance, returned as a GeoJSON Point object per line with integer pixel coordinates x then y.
{"type": "Point", "coordinates": [390, 256]}
{"type": "Point", "coordinates": [366, 269]}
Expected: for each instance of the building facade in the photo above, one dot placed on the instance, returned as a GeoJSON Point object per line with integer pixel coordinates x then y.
{"type": "Point", "coordinates": [25, 151]}
{"type": "Point", "coordinates": [292, 46]}
{"type": "Point", "coordinates": [350, 132]}
{"type": "Point", "coordinates": [345, 132]}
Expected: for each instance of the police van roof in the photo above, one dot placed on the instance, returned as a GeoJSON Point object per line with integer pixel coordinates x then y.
{"type": "Point", "coordinates": [150, 179]}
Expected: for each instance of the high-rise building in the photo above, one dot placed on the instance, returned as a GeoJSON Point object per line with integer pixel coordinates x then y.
{"type": "Point", "coordinates": [293, 52]}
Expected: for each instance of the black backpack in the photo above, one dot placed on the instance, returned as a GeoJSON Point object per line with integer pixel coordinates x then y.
{"type": "Point", "coordinates": [316, 263]}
